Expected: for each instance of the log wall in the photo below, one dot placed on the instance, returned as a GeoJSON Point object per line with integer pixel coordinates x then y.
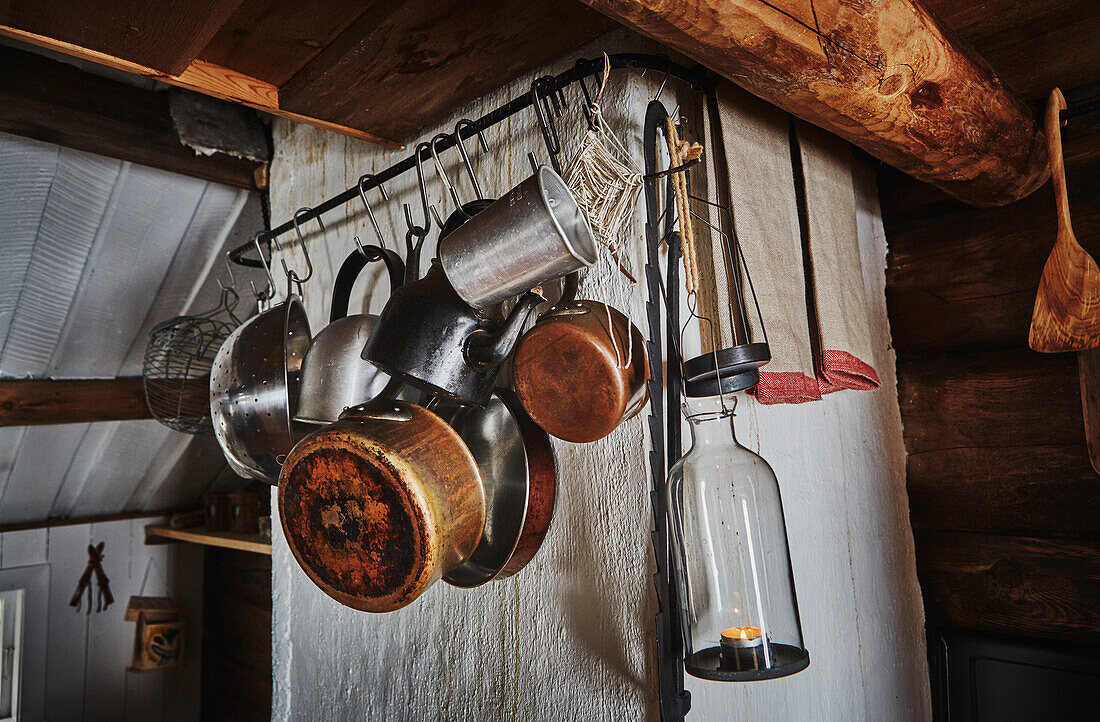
{"type": "Point", "coordinates": [1003, 500]}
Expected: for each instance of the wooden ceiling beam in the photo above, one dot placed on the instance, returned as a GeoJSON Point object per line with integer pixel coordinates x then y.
{"type": "Point", "coordinates": [272, 40]}
{"type": "Point", "coordinates": [886, 76]}
{"type": "Point", "coordinates": [200, 76]}
{"type": "Point", "coordinates": [165, 35]}
{"type": "Point", "coordinates": [401, 66]}
{"type": "Point", "coordinates": [34, 402]}
{"type": "Point", "coordinates": [59, 103]}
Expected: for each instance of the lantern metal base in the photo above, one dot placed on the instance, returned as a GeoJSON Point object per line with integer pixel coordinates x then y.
{"type": "Point", "coordinates": [708, 664]}
{"type": "Point", "coordinates": [737, 370]}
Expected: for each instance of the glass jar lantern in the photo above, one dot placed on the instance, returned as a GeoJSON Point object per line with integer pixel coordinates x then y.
{"type": "Point", "coordinates": [731, 566]}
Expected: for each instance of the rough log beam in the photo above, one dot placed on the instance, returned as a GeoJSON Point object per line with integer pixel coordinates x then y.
{"type": "Point", "coordinates": [32, 402]}
{"type": "Point", "coordinates": [887, 76]}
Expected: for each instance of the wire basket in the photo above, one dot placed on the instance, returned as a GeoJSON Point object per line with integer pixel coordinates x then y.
{"type": "Point", "coordinates": [177, 365]}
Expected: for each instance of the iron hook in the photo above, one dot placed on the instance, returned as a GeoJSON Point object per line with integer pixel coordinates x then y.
{"type": "Point", "coordinates": [446, 178]}
{"type": "Point", "coordinates": [420, 230]}
{"type": "Point", "coordinates": [229, 268]}
{"type": "Point", "coordinates": [589, 114]}
{"type": "Point", "coordinates": [546, 121]}
{"type": "Point", "coordinates": [267, 293]}
{"type": "Point", "coordinates": [465, 156]}
{"type": "Point", "coordinates": [293, 275]}
{"type": "Point", "coordinates": [370, 212]}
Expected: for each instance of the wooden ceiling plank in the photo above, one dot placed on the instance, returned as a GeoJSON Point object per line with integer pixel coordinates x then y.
{"type": "Point", "coordinates": [889, 77]}
{"type": "Point", "coordinates": [1062, 51]}
{"type": "Point", "coordinates": [187, 288]}
{"type": "Point", "coordinates": [976, 21]}
{"type": "Point", "coordinates": [80, 194]}
{"type": "Point", "coordinates": [404, 65]}
{"type": "Point", "coordinates": [165, 35]}
{"type": "Point", "coordinates": [26, 176]}
{"type": "Point", "coordinates": [272, 40]}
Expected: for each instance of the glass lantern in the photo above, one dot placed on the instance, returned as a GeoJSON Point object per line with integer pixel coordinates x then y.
{"type": "Point", "coordinates": [731, 566]}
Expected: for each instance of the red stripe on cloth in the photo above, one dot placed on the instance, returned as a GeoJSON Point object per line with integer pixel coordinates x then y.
{"type": "Point", "coordinates": [786, 387]}
{"type": "Point", "coordinates": [842, 370]}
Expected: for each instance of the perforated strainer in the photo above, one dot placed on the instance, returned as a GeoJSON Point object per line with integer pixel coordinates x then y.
{"type": "Point", "coordinates": [254, 390]}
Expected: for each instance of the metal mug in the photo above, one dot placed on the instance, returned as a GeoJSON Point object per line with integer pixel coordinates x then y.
{"type": "Point", "coordinates": [534, 233]}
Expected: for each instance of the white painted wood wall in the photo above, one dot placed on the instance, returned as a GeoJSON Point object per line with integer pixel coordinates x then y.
{"type": "Point", "coordinates": [75, 664]}
{"type": "Point", "coordinates": [571, 636]}
{"type": "Point", "coordinates": [96, 251]}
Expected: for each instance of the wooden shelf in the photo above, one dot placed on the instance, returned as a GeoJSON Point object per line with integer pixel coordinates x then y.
{"type": "Point", "coordinates": [162, 534]}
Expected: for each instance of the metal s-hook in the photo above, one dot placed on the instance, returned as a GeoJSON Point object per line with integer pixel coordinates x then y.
{"type": "Point", "coordinates": [269, 292]}
{"type": "Point", "coordinates": [229, 268]}
{"type": "Point", "coordinates": [586, 109]}
{"type": "Point", "coordinates": [370, 212]}
{"type": "Point", "coordinates": [290, 274]}
{"type": "Point", "coordinates": [465, 156]}
{"type": "Point", "coordinates": [444, 177]}
{"type": "Point", "coordinates": [420, 230]}
{"type": "Point", "coordinates": [664, 79]}
{"type": "Point", "coordinates": [546, 121]}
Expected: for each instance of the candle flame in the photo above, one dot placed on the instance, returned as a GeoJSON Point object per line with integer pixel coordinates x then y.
{"type": "Point", "coordinates": [741, 633]}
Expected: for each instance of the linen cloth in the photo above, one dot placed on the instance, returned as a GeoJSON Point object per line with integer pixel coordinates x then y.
{"type": "Point", "coordinates": [793, 209]}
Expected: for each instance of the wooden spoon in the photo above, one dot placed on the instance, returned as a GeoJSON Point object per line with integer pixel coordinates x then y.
{"type": "Point", "coordinates": [1067, 306]}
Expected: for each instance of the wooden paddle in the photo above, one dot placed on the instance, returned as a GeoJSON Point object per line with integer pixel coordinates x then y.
{"type": "Point", "coordinates": [1066, 316]}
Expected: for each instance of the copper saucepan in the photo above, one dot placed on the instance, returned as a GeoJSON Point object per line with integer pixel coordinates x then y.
{"type": "Point", "coordinates": [581, 371]}
{"type": "Point", "coordinates": [379, 505]}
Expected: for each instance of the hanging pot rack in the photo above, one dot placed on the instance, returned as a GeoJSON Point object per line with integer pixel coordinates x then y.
{"type": "Point", "coordinates": [546, 97]}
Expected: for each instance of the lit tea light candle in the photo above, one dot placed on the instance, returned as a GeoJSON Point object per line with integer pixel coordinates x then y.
{"type": "Point", "coordinates": [742, 648]}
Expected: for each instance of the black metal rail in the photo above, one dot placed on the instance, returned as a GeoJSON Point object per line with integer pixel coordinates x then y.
{"type": "Point", "coordinates": [546, 97]}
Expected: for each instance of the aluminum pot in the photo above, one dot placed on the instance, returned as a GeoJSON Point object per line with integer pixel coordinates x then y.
{"type": "Point", "coordinates": [334, 377]}
{"type": "Point", "coordinates": [534, 233]}
{"type": "Point", "coordinates": [379, 505]}
{"type": "Point", "coordinates": [254, 390]}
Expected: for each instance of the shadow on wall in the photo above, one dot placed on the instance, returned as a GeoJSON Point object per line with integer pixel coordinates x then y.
{"type": "Point", "coordinates": [591, 611]}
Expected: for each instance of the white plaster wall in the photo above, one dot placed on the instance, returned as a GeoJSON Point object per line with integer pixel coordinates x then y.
{"type": "Point", "coordinates": [570, 637]}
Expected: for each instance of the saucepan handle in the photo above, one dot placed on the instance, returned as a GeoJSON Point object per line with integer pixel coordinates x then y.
{"type": "Point", "coordinates": [355, 262]}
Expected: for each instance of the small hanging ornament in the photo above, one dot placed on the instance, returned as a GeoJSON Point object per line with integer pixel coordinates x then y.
{"type": "Point", "coordinates": [158, 637]}
{"type": "Point", "coordinates": [103, 595]}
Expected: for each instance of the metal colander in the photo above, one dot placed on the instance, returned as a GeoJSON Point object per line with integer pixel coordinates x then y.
{"type": "Point", "coordinates": [177, 365]}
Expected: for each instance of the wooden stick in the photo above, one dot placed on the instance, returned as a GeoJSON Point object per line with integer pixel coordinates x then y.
{"type": "Point", "coordinates": [73, 521]}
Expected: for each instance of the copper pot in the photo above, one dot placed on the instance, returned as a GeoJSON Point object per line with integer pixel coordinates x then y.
{"type": "Point", "coordinates": [379, 505]}
{"type": "Point", "coordinates": [581, 371]}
